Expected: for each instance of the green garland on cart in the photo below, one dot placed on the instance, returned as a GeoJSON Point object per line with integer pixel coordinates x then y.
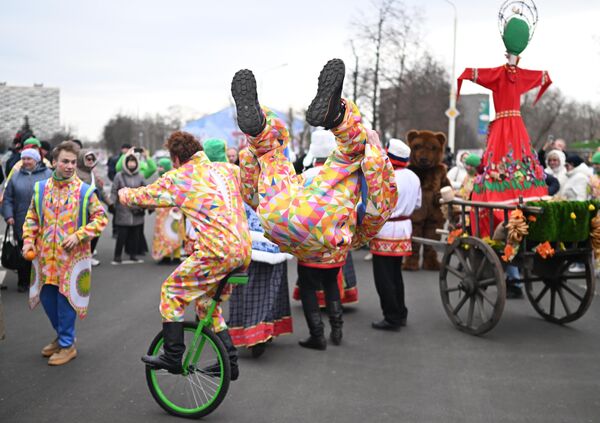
{"type": "Point", "coordinates": [565, 221]}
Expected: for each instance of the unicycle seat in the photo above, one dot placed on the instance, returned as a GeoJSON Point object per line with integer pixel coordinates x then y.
{"type": "Point", "coordinates": [237, 278]}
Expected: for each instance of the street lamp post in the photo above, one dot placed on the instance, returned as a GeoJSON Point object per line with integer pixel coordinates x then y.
{"type": "Point", "coordinates": [452, 112]}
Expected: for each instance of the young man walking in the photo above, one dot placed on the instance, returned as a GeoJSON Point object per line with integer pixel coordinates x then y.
{"type": "Point", "coordinates": [63, 217]}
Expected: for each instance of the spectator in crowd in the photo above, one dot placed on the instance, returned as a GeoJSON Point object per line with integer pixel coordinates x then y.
{"type": "Point", "coordinates": [552, 144]}
{"type": "Point", "coordinates": [86, 163]}
{"type": "Point", "coordinates": [129, 221]}
{"type": "Point", "coordinates": [17, 198]}
{"type": "Point", "coordinates": [30, 143]}
{"type": "Point", "coordinates": [555, 166]}
{"type": "Point", "coordinates": [552, 183]}
{"type": "Point", "coordinates": [46, 150]}
{"type": "Point", "coordinates": [147, 165]}
{"type": "Point", "coordinates": [576, 187]}
{"type": "Point", "coordinates": [458, 172]}
{"type": "Point", "coordinates": [595, 178]}
{"type": "Point", "coordinates": [111, 164]}
{"type": "Point", "coordinates": [472, 163]}
{"type": "Point", "coordinates": [232, 156]}
{"type": "Point", "coordinates": [18, 141]}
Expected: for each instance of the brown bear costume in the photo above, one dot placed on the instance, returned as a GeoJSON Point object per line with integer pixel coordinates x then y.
{"type": "Point", "coordinates": [426, 155]}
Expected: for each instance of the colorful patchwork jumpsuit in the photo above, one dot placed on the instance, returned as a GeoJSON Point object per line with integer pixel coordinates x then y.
{"type": "Point", "coordinates": [317, 222]}
{"type": "Point", "coordinates": [208, 194]}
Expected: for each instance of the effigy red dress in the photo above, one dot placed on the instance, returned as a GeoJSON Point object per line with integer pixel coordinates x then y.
{"type": "Point", "coordinates": [510, 165]}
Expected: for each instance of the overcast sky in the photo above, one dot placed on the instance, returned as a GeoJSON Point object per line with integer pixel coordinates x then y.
{"type": "Point", "coordinates": [141, 57]}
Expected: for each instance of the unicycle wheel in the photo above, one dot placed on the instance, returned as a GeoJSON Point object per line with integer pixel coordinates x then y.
{"type": "Point", "coordinates": [200, 390]}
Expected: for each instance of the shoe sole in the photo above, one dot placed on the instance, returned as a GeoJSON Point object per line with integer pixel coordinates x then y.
{"type": "Point", "coordinates": [243, 90]}
{"type": "Point", "coordinates": [331, 79]}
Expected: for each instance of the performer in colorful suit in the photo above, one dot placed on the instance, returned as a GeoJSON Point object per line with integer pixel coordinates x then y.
{"type": "Point", "coordinates": [260, 310]}
{"type": "Point", "coordinates": [65, 214]}
{"type": "Point", "coordinates": [315, 222]}
{"type": "Point", "coordinates": [393, 242]}
{"type": "Point", "coordinates": [510, 165]}
{"type": "Point", "coordinates": [322, 144]}
{"type": "Point", "coordinates": [169, 227]}
{"type": "Point", "coordinates": [208, 194]}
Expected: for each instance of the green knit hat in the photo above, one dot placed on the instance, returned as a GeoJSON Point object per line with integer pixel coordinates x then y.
{"type": "Point", "coordinates": [33, 141]}
{"type": "Point", "coordinates": [165, 163]}
{"type": "Point", "coordinates": [596, 158]}
{"type": "Point", "coordinates": [515, 36]}
{"type": "Point", "coordinates": [473, 160]}
{"type": "Point", "coordinates": [215, 149]}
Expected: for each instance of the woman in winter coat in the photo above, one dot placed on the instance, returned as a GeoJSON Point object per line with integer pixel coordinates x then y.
{"type": "Point", "coordinates": [17, 198]}
{"type": "Point", "coordinates": [129, 221]}
{"type": "Point", "coordinates": [86, 163]}
{"type": "Point", "coordinates": [457, 174]}
{"type": "Point", "coordinates": [576, 187]}
{"type": "Point", "coordinates": [555, 166]}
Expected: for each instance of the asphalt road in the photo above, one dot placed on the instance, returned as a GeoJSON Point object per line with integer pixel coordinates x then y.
{"type": "Point", "coordinates": [525, 370]}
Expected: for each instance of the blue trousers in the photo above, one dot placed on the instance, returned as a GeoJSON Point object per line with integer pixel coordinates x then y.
{"type": "Point", "coordinates": [61, 314]}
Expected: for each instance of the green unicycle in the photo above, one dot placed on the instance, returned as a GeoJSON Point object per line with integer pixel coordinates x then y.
{"type": "Point", "coordinates": [202, 386]}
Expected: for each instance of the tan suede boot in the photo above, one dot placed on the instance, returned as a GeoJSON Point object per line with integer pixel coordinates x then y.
{"type": "Point", "coordinates": [63, 356]}
{"type": "Point", "coordinates": [51, 348]}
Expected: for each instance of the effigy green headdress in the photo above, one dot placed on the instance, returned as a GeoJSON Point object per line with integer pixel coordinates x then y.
{"type": "Point", "coordinates": [517, 20]}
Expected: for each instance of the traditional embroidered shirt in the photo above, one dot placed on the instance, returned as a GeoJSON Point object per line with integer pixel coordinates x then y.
{"type": "Point", "coordinates": [394, 238]}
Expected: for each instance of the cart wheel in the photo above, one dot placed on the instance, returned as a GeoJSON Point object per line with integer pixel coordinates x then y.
{"type": "Point", "coordinates": [472, 285]}
{"type": "Point", "coordinates": [565, 297]}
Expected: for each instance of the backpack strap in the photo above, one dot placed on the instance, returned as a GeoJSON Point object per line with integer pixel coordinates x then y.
{"type": "Point", "coordinates": [38, 199]}
{"type": "Point", "coordinates": [85, 192]}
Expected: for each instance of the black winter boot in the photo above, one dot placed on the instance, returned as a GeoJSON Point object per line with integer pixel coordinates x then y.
{"type": "Point", "coordinates": [316, 340]}
{"type": "Point", "coordinates": [250, 117]}
{"type": "Point", "coordinates": [327, 109]}
{"type": "Point", "coordinates": [173, 348]}
{"type": "Point", "coordinates": [215, 369]}
{"type": "Point", "coordinates": [334, 309]}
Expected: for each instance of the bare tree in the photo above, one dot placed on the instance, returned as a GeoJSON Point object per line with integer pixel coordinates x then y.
{"type": "Point", "coordinates": [387, 40]}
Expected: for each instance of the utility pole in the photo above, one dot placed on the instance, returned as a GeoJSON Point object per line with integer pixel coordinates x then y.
{"type": "Point", "coordinates": [452, 112]}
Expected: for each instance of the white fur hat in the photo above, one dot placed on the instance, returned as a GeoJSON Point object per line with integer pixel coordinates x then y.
{"type": "Point", "coordinates": [398, 150]}
{"type": "Point", "coordinates": [322, 143]}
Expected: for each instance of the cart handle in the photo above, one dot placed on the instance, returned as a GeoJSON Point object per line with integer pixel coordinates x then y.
{"type": "Point", "coordinates": [500, 206]}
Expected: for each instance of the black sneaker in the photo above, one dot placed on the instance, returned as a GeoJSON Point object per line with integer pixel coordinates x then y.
{"type": "Point", "coordinates": [116, 260]}
{"type": "Point", "coordinates": [326, 109]}
{"type": "Point", "coordinates": [250, 117]}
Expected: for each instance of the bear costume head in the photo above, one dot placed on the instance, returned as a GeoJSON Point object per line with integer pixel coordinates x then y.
{"type": "Point", "coordinates": [426, 148]}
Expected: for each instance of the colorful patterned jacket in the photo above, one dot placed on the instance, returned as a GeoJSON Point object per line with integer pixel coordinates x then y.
{"type": "Point", "coordinates": [64, 209]}
{"type": "Point", "coordinates": [208, 194]}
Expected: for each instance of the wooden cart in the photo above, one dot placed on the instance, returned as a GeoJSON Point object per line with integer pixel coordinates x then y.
{"type": "Point", "coordinates": [472, 275]}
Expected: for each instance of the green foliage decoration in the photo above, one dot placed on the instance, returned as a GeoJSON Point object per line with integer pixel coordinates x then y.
{"type": "Point", "coordinates": [557, 224]}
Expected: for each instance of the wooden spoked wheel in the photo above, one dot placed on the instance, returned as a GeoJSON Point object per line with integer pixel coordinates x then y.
{"type": "Point", "coordinates": [472, 285]}
{"type": "Point", "coordinates": [558, 294]}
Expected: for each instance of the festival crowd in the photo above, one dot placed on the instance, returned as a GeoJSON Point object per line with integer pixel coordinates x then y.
{"type": "Point", "coordinates": [218, 211]}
